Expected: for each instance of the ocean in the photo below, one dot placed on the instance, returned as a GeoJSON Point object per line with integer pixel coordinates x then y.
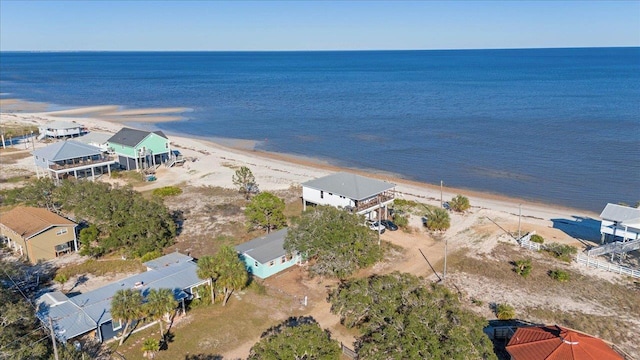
{"type": "Point", "coordinates": [554, 125]}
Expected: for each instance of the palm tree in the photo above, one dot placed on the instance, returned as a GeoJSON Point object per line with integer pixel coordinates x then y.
{"type": "Point", "coordinates": [438, 219]}
{"type": "Point", "coordinates": [150, 347]}
{"type": "Point", "coordinates": [207, 270]}
{"type": "Point", "coordinates": [232, 273]}
{"type": "Point", "coordinates": [126, 306]}
{"type": "Point", "coordinates": [160, 302]}
{"type": "Point", "coordinates": [460, 203]}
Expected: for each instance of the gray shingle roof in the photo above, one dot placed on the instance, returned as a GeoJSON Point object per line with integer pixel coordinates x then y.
{"type": "Point", "coordinates": [83, 312]}
{"type": "Point", "coordinates": [352, 186]}
{"type": "Point", "coordinates": [132, 137]}
{"type": "Point", "coordinates": [622, 214]}
{"type": "Point", "coordinates": [265, 248]}
{"type": "Point", "coordinates": [63, 150]}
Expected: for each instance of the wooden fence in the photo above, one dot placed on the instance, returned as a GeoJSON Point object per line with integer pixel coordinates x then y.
{"type": "Point", "coordinates": [605, 265]}
{"type": "Point", "coordinates": [348, 352]}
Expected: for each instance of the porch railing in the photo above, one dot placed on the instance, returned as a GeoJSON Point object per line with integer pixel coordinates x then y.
{"type": "Point", "coordinates": [79, 163]}
{"type": "Point", "coordinates": [380, 199]}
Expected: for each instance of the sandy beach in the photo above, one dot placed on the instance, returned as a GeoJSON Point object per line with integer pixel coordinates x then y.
{"type": "Point", "coordinates": [214, 162]}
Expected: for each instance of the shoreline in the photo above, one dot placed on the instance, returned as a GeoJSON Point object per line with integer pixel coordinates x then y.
{"type": "Point", "coordinates": [226, 149]}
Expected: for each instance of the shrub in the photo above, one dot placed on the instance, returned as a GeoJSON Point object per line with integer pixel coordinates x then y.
{"type": "Point", "coordinates": [523, 267]}
{"type": "Point", "coordinates": [460, 203]}
{"type": "Point", "coordinates": [505, 312]}
{"type": "Point", "coordinates": [537, 239]}
{"type": "Point", "coordinates": [150, 256]}
{"type": "Point", "coordinates": [401, 221]}
{"type": "Point", "coordinates": [167, 191]}
{"type": "Point", "coordinates": [559, 275]}
{"type": "Point", "coordinates": [561, 251]}
{"type": "Point", "coordinates": [438, 219]}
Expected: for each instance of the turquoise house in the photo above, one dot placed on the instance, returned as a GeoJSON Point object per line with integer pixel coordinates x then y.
{"type": "Point", "coordinates": [266, 256]}
{"type": "Point", "coordinates": [137, 149]}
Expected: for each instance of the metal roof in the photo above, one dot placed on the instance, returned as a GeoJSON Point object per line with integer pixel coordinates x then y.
{"type": "Point", "coordinates": [94, 138]}
{"type": "Point", "coordinates": [132, 137]}
{"type": "Point", "coordinates": [84, 312]}
{"type": "Point", "coordinates": [60, 125]}
{"type": "Point", "coordinates": [167, 260]}
{"type": "Point", "coordinates": [64, 150]}
{"type": "Point", "coordinates": [265, 248]}
{"type": "Point", "coordinates": [622, 214]}
{"type": "Point", "coordinates": [557, 343]}
{"type": "Point", "coordinates": [352, 186]}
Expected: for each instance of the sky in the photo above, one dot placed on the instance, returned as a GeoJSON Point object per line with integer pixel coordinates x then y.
{"type": "Point", "coordinates": [314, 25]}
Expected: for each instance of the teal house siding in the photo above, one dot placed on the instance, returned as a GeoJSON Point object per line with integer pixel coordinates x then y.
{"type": "Point", "coordinates": [140, 149]}
{"type": "Point", "coordinates": [266, 256]}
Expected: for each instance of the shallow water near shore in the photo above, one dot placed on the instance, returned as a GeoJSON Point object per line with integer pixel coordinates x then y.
{"type": "Point", "coordinates": [553, 125]}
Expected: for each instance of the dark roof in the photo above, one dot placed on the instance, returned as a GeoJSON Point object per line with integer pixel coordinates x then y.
{"type": "Point", "coordinates": [132, 137]}
{"type": "Point", "coordinates": [557, 343]}
{"type": "Point", "coordinates": [265, 248]}
{"type": "Point", "coordinates": [352, 186]}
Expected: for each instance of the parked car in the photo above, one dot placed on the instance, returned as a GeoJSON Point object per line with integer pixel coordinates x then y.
{"type": "Point", "coordinates": [389, 225]}
{"type": "Point", "coordinates": [376, 226]}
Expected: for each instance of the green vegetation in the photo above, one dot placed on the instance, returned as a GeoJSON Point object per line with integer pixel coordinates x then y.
{"type": "Point", "coordinates": [160, 303]}
{"type": "Point", "coordinates": [150, 346]}
{"type": "Point", "coordinates": [505, 312]}
{"type": "Point", "coordinates": [296, 338]}
{"type": "Point", "coordinates": [150, 256]}
{"type": "Point", "coordinates": [401, 317]}
{"type": "Point", "coordinates": [537, 239]}
{"type": "Point", "coordinates": [126, 307]}
{"type": "Point", "coordinates": [401, 221]}
{"type": "Point", "coordinates": [561, 251]}
{"type": "Point", "coordinates": [459, 203]}
{"type": "Point", "coordinates": [19, 333]}
{"type": "Point", "coordinates": [207, 271]}
{"type": "Point", "coordinates": [167, 191]}
{"type": "Point", "coordinates": [61, 278]}
{"type": "Point", "coordinates": [245, 181]}
{"type": "Point", "coordinates": [231, 273]}
{"type": "Point", "coordinates": [123, 218]}
{"type": "Point", "coordinates": [523, 267]}
{"type": "Point", "coordinates": [13, 130]}
{"type": "Point", "coordinates": [266, 211]}
{"type": "Point", "coordinates": [335, 239]}
{"type": "Point", "coordinates": [438, 219]}
{"type": "Point", "coordinates": [559, 275]}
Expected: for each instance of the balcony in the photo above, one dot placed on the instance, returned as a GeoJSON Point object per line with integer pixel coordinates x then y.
{"type": "Point", "coordinates": [75, 163]}
{"type": "Point", "coordinates": [374, 201]}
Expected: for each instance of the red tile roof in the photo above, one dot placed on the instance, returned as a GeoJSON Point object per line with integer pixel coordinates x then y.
{"type": "Point", "coordinates": [557, 343]}
{"type": "Point", "coordinates": [28, 221]}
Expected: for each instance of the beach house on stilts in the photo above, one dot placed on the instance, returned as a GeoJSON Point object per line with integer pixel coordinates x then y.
{"type": "Point", "coordinates": [71, 158]}
{"type": "Point", "coordinates": [355, 193]}
{"type": "Point", "coordinates": [138, 149]}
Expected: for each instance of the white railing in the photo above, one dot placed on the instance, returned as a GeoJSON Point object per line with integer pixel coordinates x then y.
{"type": "Point", "coordinates": [605, 265]}
{"type": "Point", "coordinates": [526, 242]}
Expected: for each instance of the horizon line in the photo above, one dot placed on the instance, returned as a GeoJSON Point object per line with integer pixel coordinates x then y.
{"type": "Point", "coordinates": [330, 50]}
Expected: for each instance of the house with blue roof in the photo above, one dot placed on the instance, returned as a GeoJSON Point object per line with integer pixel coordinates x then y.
{"type": "Point", "coordinates": [65, 158]}
{"type": "Point", "coordinates": [90, 312]}
{"type": "Point", "coordinates": [265, 256]}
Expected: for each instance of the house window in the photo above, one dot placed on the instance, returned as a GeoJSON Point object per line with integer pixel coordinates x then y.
{"type": "Point", "coordinates": [272, 262]}
{"type": "Point", "coordinates": [115, 325]}
{"type": "Point", "coordinates": [166, 145]}
{"type": "Point", "coordinates": [321, 194]}
{"type": "Point", "coordinates": [256, 264]}
{"type": "Point", "coordinates": [283, 259]}
{"type": "Point", "coordinates": [61, 231]}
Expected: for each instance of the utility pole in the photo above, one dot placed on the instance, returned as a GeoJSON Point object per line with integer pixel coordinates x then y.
{"type": "Point", "coordinates": [444, 272]}
{"type": "Point", "coordinates": [519, 221]}
{"type": "Point", "coordinates": [441, 203]}
{"type": "Point", "coordinates": [53, 339]}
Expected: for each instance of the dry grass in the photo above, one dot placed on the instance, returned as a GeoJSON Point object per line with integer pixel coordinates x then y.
{"type": "Point", "coordinates": [102, 267]}
{"type": "Point", "coordinates": [215, 330]}
{"type": "Point", "coordinates": [8, 156]}
{"type": "Point", "coordinates": [609, 310]}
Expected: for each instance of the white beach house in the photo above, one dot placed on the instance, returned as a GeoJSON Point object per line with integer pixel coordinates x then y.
{"type": "Point", "coordinates": [58, 129]}
{"type": "Point", "coordinates": [620, 223]}
{"type": "Point", "coordinates": [355, 193]}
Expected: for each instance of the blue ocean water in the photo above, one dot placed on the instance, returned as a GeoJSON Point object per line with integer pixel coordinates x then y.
{"type": "Point", "coordinates": [555, 125]}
